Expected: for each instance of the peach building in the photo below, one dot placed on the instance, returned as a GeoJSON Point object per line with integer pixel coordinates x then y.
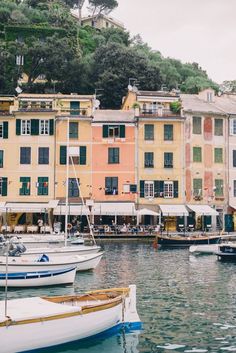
{"type": "Point", "coordinates": [113, 161]}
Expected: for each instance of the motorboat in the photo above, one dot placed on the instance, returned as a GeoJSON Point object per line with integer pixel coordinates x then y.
{"type": "Point", "coordinates": [45, 262]}
{"type": "Point", "coordinates": [38, 278]}
{"type": "Point", "coordinates": [39, 322]}
{"type": "Point", "coordinates": [226, 252]}
{"type": "Point", "coordinates": [212, 248]}
{"type": "Point", "coordinates": [177, 240]}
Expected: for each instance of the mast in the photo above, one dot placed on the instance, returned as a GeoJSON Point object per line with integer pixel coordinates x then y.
{"type": "Point", "coordinates": [67, 179]}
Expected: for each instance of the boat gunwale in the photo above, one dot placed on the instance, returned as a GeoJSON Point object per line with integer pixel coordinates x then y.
{"type": "Point", "coordinates": [83, 311]}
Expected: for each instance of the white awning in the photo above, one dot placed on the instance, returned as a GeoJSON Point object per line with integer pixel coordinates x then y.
{"type": "Point", "coordinates": [27, 207]}
{"type": "Point", "coordinates": [205, 210]}
{"type": "Point", "coordinates": [73, 210]}
{"type": "Point", "coordinates": [146, 212]}
{"type": "Point", "coordinates": [173, 210]}
{"type": "Point", "coordinates": [53, 203]}
{"type": "Point", "coordinates": [114, 209]}
{"type": "Point", "coordinates": [99, 209]}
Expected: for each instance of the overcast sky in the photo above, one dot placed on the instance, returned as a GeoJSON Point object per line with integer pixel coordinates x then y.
{"type": "Point", "coordinates": [203, 31]}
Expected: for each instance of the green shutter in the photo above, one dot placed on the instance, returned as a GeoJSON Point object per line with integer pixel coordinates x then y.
{"type": "Point", "coordinates": [1, 158]}
{"type": "Point", "coordinates": [4, 186]}
{"type": "Point", "coordinates": [83, 155]}
{"type": "Point", "coordinates": [176, 189]}
{"type": "Point", "coordinates": [63, 155]}
{"type": "Point", "coordinates": [122, 131]}
{"type": "Point", "coordinates": [51, 126]}
{"type": "Point", "coordinates": [5, 129]}
{"type": "Point", "coordinates": [34, 127]}
{"type": "Point", "coordinates": [18, 126]}
{"type": "Point", "coordinates": [141, 188]}
{"type": "Point", "coordinates": [105, 131]}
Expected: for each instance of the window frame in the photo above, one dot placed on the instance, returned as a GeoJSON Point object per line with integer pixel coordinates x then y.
{"type": "Point", "coordinates": [168, 189]}
{"type": "Point", "coordinates": [168, 135]}
{"type": "Point", "coordinates": [149, 189]}
{"type": "Point", "coordinates": [113, 131]}
{"type": "Point", "coordinates": [221, 160]}
{"type": "Point", "coordinates": [219, 189]}
{"type": "Point", "coordinates": [26, 161]}
{"type": "Point", "coordinates": [148, 162]}
{"type": "Point", "coordinates": [41, 159]}
{"type": "Point", "coordinates": [25, 127]}
{"type": "Point", "coordinates": [147, 135]}
{"type": "Point", "coordinates": [25, 190]}
{"type": "Point", "coordinates": [197, 192]}
{"type": "Point", "coordinates": [111, 189]}
{"type": "Point", "coordinates": [195, 128]}
{"type": "Point", "coordinates": [44, 127]}
{"type": "Point", "coordinates": [75, 133]}
{"type": "Point", "coordinates": [169, 165]}
{"type": "Point", "coordinates": [1, 158]}
{"type": "Point", "coordinates": [195, 148]}
{"type": "Point", "coordinates": [221, 128]}
{"type": "Point", "coordinates": [73, 191]}
{"type": "Point", "coordinates": [113, 155]}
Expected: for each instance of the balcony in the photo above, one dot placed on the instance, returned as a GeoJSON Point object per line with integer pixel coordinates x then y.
{"type": "Point", "coordinates": [39, 106]}
{"type": "Point", "coordinates": [159, 112]}
{"type": "Point", "coordinates": [5, 113]}
{"type": "Point", "coordinates": [74, 112]}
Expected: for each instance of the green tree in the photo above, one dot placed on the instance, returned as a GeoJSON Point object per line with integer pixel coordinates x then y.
{"type": "Point", "coordinates": [98, 7]}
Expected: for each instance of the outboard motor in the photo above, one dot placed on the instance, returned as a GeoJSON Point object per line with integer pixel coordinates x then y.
{"type": "Point", "coordinates": [16, 249]}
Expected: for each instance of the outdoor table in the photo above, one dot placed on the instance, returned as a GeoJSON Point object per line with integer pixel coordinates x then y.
{"type": "Point", "coordinates": [32, 229]}
{"type": "Point", "coordinates": [19, 229]}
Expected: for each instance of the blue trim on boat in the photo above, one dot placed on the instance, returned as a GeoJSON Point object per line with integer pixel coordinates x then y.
{"type": "Point", "coordinates": [127, 327]}
{"type": "Point", "coordinates": [36, 274]}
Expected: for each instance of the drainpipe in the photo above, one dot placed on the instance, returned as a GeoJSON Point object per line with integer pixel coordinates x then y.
{"type": "Point", "coordinates": [136, 161]}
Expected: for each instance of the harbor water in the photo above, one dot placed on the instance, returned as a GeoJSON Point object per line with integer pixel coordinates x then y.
{"type": "Point", "coordinates": [186, 303]}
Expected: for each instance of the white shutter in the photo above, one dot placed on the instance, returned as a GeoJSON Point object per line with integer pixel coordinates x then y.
{"type": "Point", "coordinates": [231, 127]}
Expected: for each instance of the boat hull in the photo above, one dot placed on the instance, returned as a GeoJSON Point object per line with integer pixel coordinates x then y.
{"type": "Point", "coordinates": [49, 326]}
{"type": "Point", "coordinates": [38, 279]}
{"type": "Point", "coordinates": [29, 264]}
{"type": "Point", "coordinates": [180, 241]}
{"type": "Point", "coordinates": [207, 249]}
{"type": "Point", "coordinates": [64, 250]}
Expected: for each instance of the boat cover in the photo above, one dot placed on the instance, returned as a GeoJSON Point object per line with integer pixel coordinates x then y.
{"type": "Point", "coordinates": [33, 308]}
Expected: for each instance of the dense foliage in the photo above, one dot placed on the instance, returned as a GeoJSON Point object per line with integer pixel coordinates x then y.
{"type": "Point", "coordinates": [82, 59]}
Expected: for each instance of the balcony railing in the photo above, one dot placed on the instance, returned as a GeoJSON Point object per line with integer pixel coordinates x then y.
{"type": "Point", "coordinates": [157, 112]}
{"type": "Point", "coordinates": [35, 106]}
{"type": "Point", "coordinates": [80, 112]}
{"type": "Point", "coordinates": [5, 113]}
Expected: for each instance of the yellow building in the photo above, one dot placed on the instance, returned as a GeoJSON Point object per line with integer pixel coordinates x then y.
{"type": "Point", "coordinates": [32, 126]}
{"type": "Point", "coordinates": [159, 155]}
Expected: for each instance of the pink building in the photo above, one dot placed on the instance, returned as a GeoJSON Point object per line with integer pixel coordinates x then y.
{"type": "Point", "coordinates": [113, 162]}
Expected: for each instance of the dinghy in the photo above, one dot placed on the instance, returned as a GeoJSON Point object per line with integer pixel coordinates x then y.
{"type": "Point", "coordinates": [38, 278]}
{"type": "Point", "coordinates": [40, 322]}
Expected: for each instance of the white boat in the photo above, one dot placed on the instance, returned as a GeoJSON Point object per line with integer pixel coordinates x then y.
{"type": "Point", "coordinates": [38, 278]}
{"type": "Point", "coordinates": [44, 262]}
{"type": "Point", "coordinates": [36, 323]}
{"type": "Point", "coordinates": [209, 249]}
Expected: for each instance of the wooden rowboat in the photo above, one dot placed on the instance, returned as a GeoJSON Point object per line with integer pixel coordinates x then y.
{"type": "Point", "coordinates": [40, 322]}
{"type": "Point", "coordinates": [185, 241]}
{"type": "Point", "coordinates": [38, 278]}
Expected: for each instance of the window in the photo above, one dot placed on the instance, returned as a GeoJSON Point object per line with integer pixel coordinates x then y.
{"type": "Point", "coordinates": [25, 127]}
{"type": "Point", "coordinates": [232, 126]}
{"type": "Point", "coordinates": [1, 158]}
{"type": "Point", "coordinates": [25, 186]}
{"type": "Point", "coordinates": [168, 160]}
{"type": "Point", "coordinates": [113, 131]}
{"type": "Point", "coordinates": [234, 188]}
{"type": "Point", "coordinates": [197, 187]}
{"type": "Point", "coordinates": [218, 155]}
{"type": "Point", "coordinates": [73, 129]}
{"type": "Point", "coordinates": [43, 156]}
{"type": "Point", "coordinates": [197, 125]}
{"type": "Point", "coordinates": [219, 187]}
{"type": "Point", "coordinates": [197, 154]}
{"type": "Point", "coordinates": [42, 186]}
{"type": "Point", "coordinates": [19, 60]}
{"type": "Point", "coordinates": [168, 189]}
{"type": "Point", "coordinates": [218, 127]}
{"type": "Point", "coordinates": [149, 189]}
{"type": "Point", "coordinates": [168, 132]}
{"type": "Point", "coordinates": [234, 158]}
{"type": "Point", "coordinates": [3, 186]}
{"type": "Point", "coordinates": [25, 155]}
{"type": "Point", "coordinates": [111, 186]}
{"type": "Point", "coordinates": [148, 132]}
{"type": "Point", "coordinates": [73, 190]}
{"type": "Point", "coordinates": [148, 160]}
{"type": "Point", "coordinates": [44, 127]}
{"type": "Point", "coordinates": [1, 130]}
{"type": "Point", "coordinates": [113, 155]}
{"type": "Point", "coordinates": [80, 159]}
